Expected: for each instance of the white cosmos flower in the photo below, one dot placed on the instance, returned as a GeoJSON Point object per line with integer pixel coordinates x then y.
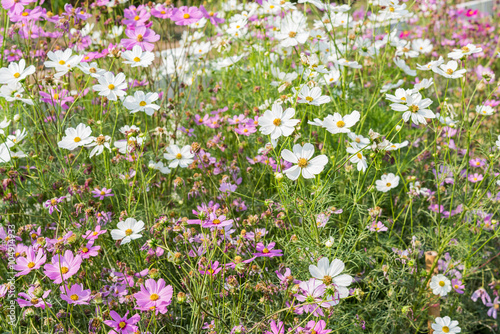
{"type": "Point", "coordinates": [128, 230]}
{"type": "Point", "coordinates": [485, 110]}
{"type": "Point", "coordinates": [330, 273]}
{"type": "Point", "coordinates": [92, 69]}
{"type": "Point", "coordinates": [402, 65]}
{"type": "Point", "coordinates": [301, 156]}
{"type": "Point", "coordinates": [358, 139]}
{"type": "Point", "coordinates": [16, 138]}
{"type": "Point", "coordinates": [415, 108]}
{"type": "Point", "coordinates": [15, 72]}
{"type": "Point", "coordinates": [431, 65]}
{"type": "Point", "coordinates": [277, 123]}
{"type": "Point", "coordinates": [142, 102]}
{"type": "Point", "coordinates": [181, 157]}
{"type": "Point", "coordinates": [99, 143]}
{"type": "Point", "coordinates": [396, 146]}
{"type": "Point", "coordinates": [440, 285]}
{"type": "Point", "coordinates": [341, 124]}
{"type": "Point", "coordinates": [76, 137]}
{"type": "Point", "coordinates": [14, 92]}
{"type": "Point", "coordinates": [449, 70]}
{"type": "Point", "coordinates": [312, 96]}
{"type": "Point", "coordinates": [3, 124]}
{"type": "Point", "coordinates": [111, 86]}
{"type": "Point", "coordinates": [400, 96]}
{"type": "Point", "coordinates": [136, 57]}
{"type": "Point", "coordinates": [497, 143]}
{"type": "Point", "coordinates": [159, 167]}
{"type": "Point", "coordinates": [347, 63]}
{"type": "Point", "coordinates": [445, 326]}
{"type": "Point", "coordinates": [464, 51]}
{"type": "Point", "coordinates": [62, 61]}
{"type": "Point", "coordinates": [387, 182]}
{"type": "Point", "coordinates": [358, 157]}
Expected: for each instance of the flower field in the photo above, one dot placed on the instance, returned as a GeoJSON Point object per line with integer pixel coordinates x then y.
{"type": "Point", "coordinates": [264, 167]}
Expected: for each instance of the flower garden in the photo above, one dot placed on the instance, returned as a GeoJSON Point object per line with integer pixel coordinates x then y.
{"type": "Point", "coordinates": [264, 166]}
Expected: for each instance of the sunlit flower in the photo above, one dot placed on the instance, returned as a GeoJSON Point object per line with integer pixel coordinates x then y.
{"type": "Point", "coordinates": [111, 86]}
{"type": "Point", "coordinates": [128, 230]}
{"type": "Point", "coordinates": [305, 166]}
{"type": "Point", "coordinates": [440, 285]}
{"type": "Point", "coordinates": [387, 182]}
{"type": "Point", "coordinates": [445, 326]}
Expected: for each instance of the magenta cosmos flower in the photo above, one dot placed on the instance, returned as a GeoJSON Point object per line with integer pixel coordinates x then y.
{"type": "Point", "coordinates": [212, 16]}
{"type": "Point", "coordinates": [32, 261]}
{"type": "Point", "coordinates": [217, 221]}
{"type": "Point", "coordinates": [31, 300]}
{"type": "Point", "coordinates": [315, 327]}
{"type": "Point", "coordinates": [267, 251]}
{"type": "Point", "coordinates": [475, 177]}
{"type": "Point", "coordinates": [89, 250]}
{"type": "Point", "coordinates": [15, 6]}
{"type": "Point", "coordinates": [75, 294]}
{"type": "Point", "coordinates": [154, 296]}
{"type": "Point", "coordinates": [161, 12]}
{"type": "Point", "coordinates": [63, 267]}
{"type": "Point", "coordinates": [211, 269]}
{"type": "Point", "coordinates": [101, 193]}
{"type": "Point", "coordinates": [377, 227]}
{"type": "Point", "coordinates": [184, 16]}
{"type": "Point", "coordinates": [135, 17]}
{"type": "Point", "coordinates": [276, 328]}
{"type": "Point", "coordinates": [141, 36]}
{"type": "Point", "coordinates": [122, 324]}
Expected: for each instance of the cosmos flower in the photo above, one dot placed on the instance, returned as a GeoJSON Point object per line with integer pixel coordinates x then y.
{"type": "Point", "coordinates": [179, 157]}
{"type": "Point", "coordinates": [75, 294]}
{"type": "Point", "coordinates": [154, 296]}
{"type": "Point", "coordinates": [111, 86]}
{"type": "Point", "coordinates": [62, 267]}
{"type": "Point", "coordinates": [136, 57]}
{"type": "Point", "coordinates": [387, 182]}
{"type": "Point", "coordinates": [312, 96]}
{"type": "Point", "coordinates": [305, 166]}
{"type": "Point", "coordinates": [277, 123]}
{"type": "Point", "coordinates": [142, 102]}
{"type": "Point", "coordinates": [32, 261]}
{"type": "Point", "coordinates": [267, 251]}
{"type": "Point", "coordinates": [440, 285]}
{"type": "Point", "coordinates": [186, 15]}
{"type": "Point", "coordinates": [128, 230]}
{"type": "Point", "coordinates": [330, 274]}
{"type": "Point", "coordinates": [341, 124]}
{"type": "Point", "coordinates": [445, 326]}
{"type": "Point", "coordinates": [15, 72]}
{"type": "Point", "coordinates": [32, 299]}
{"type": "Point", "coordinates": [123, 325]}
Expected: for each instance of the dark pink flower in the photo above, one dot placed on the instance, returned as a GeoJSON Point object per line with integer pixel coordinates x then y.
{"type": "Point", "coordinates": [267, 251]}
{"type": "Point", "coordinates": [122, 324]}
{"type": "Point", "coordinates": [31, 299]}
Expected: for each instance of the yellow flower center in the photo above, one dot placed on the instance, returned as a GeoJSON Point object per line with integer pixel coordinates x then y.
{"type": "Point", "coordinates": [34, 301]}
{"type": "Point", "coordinates": [77, 139]}
{"type": "Point", "coordinates": [292, 34]}
{"type": "Point", "coordinates": [359, 155]}
{"type": "Point", "coordinates": [24, 14]}
{"type": "Point", "coordinates": [122, 324]}
{"type": "Point", "coordinates": [178, 156]}
{"type": "Point", "coordinates": [216, 221]}
{"type": "Point", "coordinates": [56, 96]}
{"type": "Point", "coordinates": [140, 38]}
{"type": "Point", "coordinates": [340, 124]}
{"type": "Point", "coordinates": [137, 59]}
{"type": "Point", "coordinates": [277, 122]}
{"type": "Point", "coordinates": [413, 108]}
{"type": "Point", "coordinates": [441, 283]}
{"type": "Point", "coordinates": [265, 251]}
{"type": "Point", "coordinates": [310, 99]}
{"type": "Point", "coordinates": [31, 265]}
{"type": "Point", "coordinates": [388, 184]}
{"type": "Point", "coordinates": [111, 86]}
{"type": "Point", "coordinates": [64, 270]}
{"type": "Point", "coordinates": [85, 250]}
{"type": "Point", "coordinates": [445, 329]}
{"type": "Point", "coordinates": [465, 49]}
{"type": "Point", "coordinates": [74, 297]}
{"type": "Point", "coordinates": [303, 162]}
{"type": "Point", "coordinates": [142, 103]}
{"type": "Point", "coordinates": [62, 62]}
{"type": "Point", "coordinates": [154, 297]}
{"type": "Point", "coordinates": [136, 18]}
{"type": "Point", "coordinates": [128, 231]}
{"type": "Point", "coordinates": [17, 75]}
{"type": "Point", "coordinates": [449, 71]}
{"type": "Point", "coordinates": [186, 16]}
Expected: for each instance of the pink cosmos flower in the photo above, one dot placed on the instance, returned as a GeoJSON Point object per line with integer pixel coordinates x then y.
{"type": "Point", "coordinates": [481, 293]}
{"type": "Point", "coordinates": [15, 6]}
{"type": "Point", "coordinates": [75, 294]}
{"type": "Point", "coordinates": [478, 162]}
{"type": "Point", "coordinates": [377, 227]}
{"type": "Point", "coordinates": [276, 328]}
{"type": "Point", "coordinates": [89, 250]}
{"type": "Point", "coordinates": [217, 221]}
{"type": "Point", "coordinates": [212, 16]}
{"type": "Point", "coordinates": [245, 129]}
{"type": "Point", "coordinates": [457, 285]}
{"type": "Point", "coordinates": [27, 15]}
{"type": "Point", "coordinates": [141, 36]}
{"type": "Point", "coordinates": [93, 235]}
{"type": "Point", "coordinates": [211, 269]}
{"type": "Point", "coordinates": [154, 296]}
{"type": "Point", "coordinates": [161, 12]}
{"type": "Point", "coordinates": [314, 327]}
{"type": "Point", "coordinates": [312, 294]}
{"type": "Point", "coordinates": [63, 267]}
{"type": "Point", "coordinates": [122, 324]}
{"type": "Point", "coordinates": [57, 98]}
{"type": "Point", "coordinates": [31, 262]}
{"type": "Point", "coordinates": [101, 193]}
{"type": "Point", "coordinates": [51, 204]}
{"type": "Point", "coordinates": [184, 16]}
{"type": "Point", "coordinates": [135, 17]}
{"type": "Point", "coordinates": [495, 306]}
{"type": "Point", "coordinates": [267, 251]}
{"type": "Point", "coordinates": [475, 178]}
{"type": "Point", "coordinates": [31, 300]}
